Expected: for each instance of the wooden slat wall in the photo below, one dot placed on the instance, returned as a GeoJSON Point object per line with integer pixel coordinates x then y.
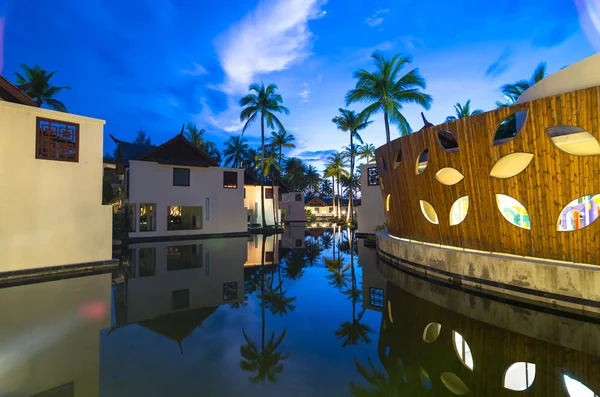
{"type": "Point", "coordinates": [551, 181]}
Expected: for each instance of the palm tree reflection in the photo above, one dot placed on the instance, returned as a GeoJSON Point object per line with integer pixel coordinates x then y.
{"type": "Point", "coordinates": [393, 385]}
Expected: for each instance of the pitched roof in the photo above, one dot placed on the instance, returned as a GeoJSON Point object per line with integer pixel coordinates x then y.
{"type": "Point", "coordinates": [11, 93]}
{"type": "Point", "coordinates": [130, 151]}
{"type": "Point", "coordinates": [179, 151]}
{"type": "Point", "coordinates": [316, 202]}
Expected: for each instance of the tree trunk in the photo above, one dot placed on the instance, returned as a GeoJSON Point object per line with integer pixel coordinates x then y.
{"type": "Point", "coordinates": [262, 170]}
{"type": "Point", "coordinates": [339, 200]}
{"type": "Point", "coordinates": [275, 218]}
{"type": "Point", "coordinates": [333, 195]}
{"type": "Point", "coordinates": [387, 125]}
{"type": "Point", "coordinates": [262, 301]}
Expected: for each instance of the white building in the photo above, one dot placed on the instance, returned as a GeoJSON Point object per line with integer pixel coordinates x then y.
{"type": "Point", "coordinates": [255, 250]}
{"type": "Point", "coordinates": [370, 212]}
{"type": "Point", "coordinates": [51, 211]}
{"type": "Point", "coordinates": [320, 209]}
{"type": "Point", "coordinates": [176, 189]}
{"type": "Point", "coordinates": [293, 236]}
{"type": "Point", "coordinates": [252, 203]}
{"type": "Point", "coordinates": [292, 207]}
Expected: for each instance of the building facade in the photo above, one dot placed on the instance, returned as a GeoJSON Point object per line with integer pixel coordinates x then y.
{"type": "Point", "coordinates": [51, 211]}
{"type": "Point", "coordinates": [370, 212]}
{"type": "Point", "coordinates": [252, 202]}
{"type": "Point", "coordinates": [292, 207]}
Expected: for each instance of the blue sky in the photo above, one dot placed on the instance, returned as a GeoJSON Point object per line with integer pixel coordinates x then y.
{"type": "Point", "coordinates": [158, 64]}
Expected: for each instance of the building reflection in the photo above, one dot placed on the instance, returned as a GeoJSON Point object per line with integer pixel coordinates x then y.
{"type": "Point", "coordinates": [434, 341]}
{"type": "Point", "coordinates": [255, 249]}
{"type": "Point", "coordinates": [171, 288]}
{"type": "Point", "coordinates": [49, 337]}
{"type": "Point", "coordinates": [293, 237]}
{"type": "Point", "coordinates": [373, 282]}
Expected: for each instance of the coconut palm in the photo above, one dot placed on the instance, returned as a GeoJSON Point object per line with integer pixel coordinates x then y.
{"type": "Point", "coordinates": [312, 178]}
{"type": "Point", "coordinates": [194, 135]}
{"type": "Point", "coordinates": [294, 173]}
{"type": "Point", "coordinates": [382, 384]}
{"type": "Point", "coordinates": [513, 91]}
{"type": "Point", "coordinates": [385, 92]}
{"type": "Point", "coordinates": [367, 152]}
{"type": "Point", "coordinates": [35, 81]}
{"type": "Point", "coordinates": [350, 122]}
{"type": "Point", "coordinates": [294, 264]}
{"type": "Point", "coordinates": [282, 140]}
{"type": "Point", "coordinates": [211, 149]}
{"type": "Point", "coordinates": [250, 159]}
{"type": "Point", "coordinates": [335, 167]}
{"type": "Point", "coordinates": [235, 151]}
{"type": "Point", "coordinates": [325, 188]}
{"type": "Point", "coordinates": [338, 273]}
{"type": "Point", "coordinates": [262, 102]}
{"type": "Point", "coordinates": [463, 111]}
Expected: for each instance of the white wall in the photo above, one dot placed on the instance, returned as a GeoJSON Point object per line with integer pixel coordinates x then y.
{"type": "Point", "coordinates": [253, 197]}
{"type": "Point", "coordinates": [50, 335]}
{"type": "Point", "coordinates": [255, 244]}
{"type": "Point", "coordinates": [293, 236]}
{"type": "Point", "coordinates": [152, 183]}
{"type": "Point", "coordinates": [295, 211]}
{"type": "Point", "coordinates": [51, 212]}
{"type": "Point", "coordinates": [370, 213]}
{"type": "Point", "coordinates": [222, 262]}
{"type": "Point", "coordinates": [324, 212]}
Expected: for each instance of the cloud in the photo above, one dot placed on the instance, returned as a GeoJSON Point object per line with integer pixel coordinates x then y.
{"type": "Point", "coordinates": [271, 38]}
{"type": "Point", "coordinates": [377, 18]}
{"type": "Point", "coordinates": [316, 155]}
{"type": "Point", "coordinates": [304, 94]}
{"type": "Point", "coordinates": [554, 35]}
{"type": "Point", "coordinates": [500, 65]}
{"type": "Point", "coordinates": [198, 70]}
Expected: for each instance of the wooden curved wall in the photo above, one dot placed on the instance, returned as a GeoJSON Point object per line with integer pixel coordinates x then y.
{"type": "Point", "coordinates": [552, 180]}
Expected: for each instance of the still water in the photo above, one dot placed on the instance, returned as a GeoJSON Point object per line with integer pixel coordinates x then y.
{"type": "Point", "coordinates": [306, 313]}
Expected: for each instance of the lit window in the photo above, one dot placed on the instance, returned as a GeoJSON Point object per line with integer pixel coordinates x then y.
{"type": "Point", "coordinates": [513, 211]}
{"type": "Point", "coordinates": [459, 211]}
{"type": "Point", "coordinates": [577, 389]}
{"type": "Point", "coordinates": [373, 176]}
{"type": "Point", "coordinates": [147, 217]}
{"type": "Point", "coordinates": [429, 212]}
{"type": "Point", "coordinates": [422, 161]}
{"type": "Point", "coordinates": [579, 213]}
{"type": "Point", "coordinates": [463, 350]}
{"type": "Point", "coordinates": [184, 218]}
{"type": "Point", "coordinates": [519, 376]}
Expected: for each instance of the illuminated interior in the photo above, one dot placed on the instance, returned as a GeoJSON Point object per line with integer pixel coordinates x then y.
{"type": "Point", "coordinates": [387, 202]}
{"type": "Point", "coordinates": [459, 210]}
{"type": "Point", "coordinates": [513, 211]}
{"type": "Point", "coordinates": [519, 376]}
{"type": "Point", "coordinates": [574, 140]}
{"type": "Point", "coordinates": [449, 176]}
{"type": "Point", "coordinates": [463, 350]}
{"type": "Point", "coordinates": [577, 389]}
{"type": "Point", "coordinates": [429, 212]}
{"type": "Point", "coordinates": [511, 165]}
{"type": "Point", "coordinates": [579, 213]}
{"type": "Point", "coordinates": [422, 161]}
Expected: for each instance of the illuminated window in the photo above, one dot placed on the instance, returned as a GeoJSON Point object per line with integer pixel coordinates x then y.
{"type": "Point", "coordinates": [373, 176]}
{"type": "Point", "coordinates": [574, 140]}
{"type": "Point", "coordinates": [459, 210]}
{"type": "Point", "coordinates": [511, 165]}
{"type": "Point", "coordinates": [449, 176]}
{"type": "Point", "coordinates": [513, 211]}
{"type": "Point", "coordinates": [429, 212]}
{"type": "Point", "coordinates": [387, 202]}
{"type": "Point", "coordinates": [463, 350]}
{"type": "Point", "coordinates": [579, 213]}
{"type": "Point", "coordinates": [422, 161]}
{"type": "Point", "coordinates": [147, 217]}
{"type": "Point", "coordinates": [184, 218]}
{"type": "Point", "coordinates": [577, 389]}
{"type": "Point", "coordinates": [376, 297]}
{"type": "Point", "coordinates": [510, 127]}
{"type": "Point", "coordinates": [519, 376]}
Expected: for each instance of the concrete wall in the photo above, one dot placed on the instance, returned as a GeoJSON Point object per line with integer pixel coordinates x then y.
{"type": "Point", "coordinates": [50, 335]}
{"type": "Point", "coordinates": [152, 183]}
{"type": "Point", "coordinates": [514, 275]}
{"type": "Point", "coordinates": [51, 212]}
{"type": "Point", "coordinates": [370, 212]}
{"type": "Point", "coordinates": [254, 208]}
{"type": "Point", "coordinates": [294, 210]}
{"type": "Point", "coordinates": [222, 262]}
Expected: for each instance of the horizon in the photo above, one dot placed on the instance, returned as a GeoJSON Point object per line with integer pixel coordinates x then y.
{"type": "Point", "coordinates": [153, 67]}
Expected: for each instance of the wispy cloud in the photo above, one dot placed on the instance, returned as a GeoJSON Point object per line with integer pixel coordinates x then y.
{"type": "Point", "coordinates": [500, 65]}
{"type": "Point", "coordinates": [377, 18]}
{"type": "Point", "coordinates": [315, 155]}
{"type": "Point", "coordinates": [304, 94]}
{"type": "Point", "coordinates": [271, 38]}
{"type": "Point", "coordinates": [197, 70]}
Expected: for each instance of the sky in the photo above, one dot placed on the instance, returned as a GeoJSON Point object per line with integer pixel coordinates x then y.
{"type": "Point", "coordinates": [159, 64]}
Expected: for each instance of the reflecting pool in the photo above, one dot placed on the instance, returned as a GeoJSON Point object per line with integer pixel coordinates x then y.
{"type": "Point", "coordinates": [310, 312]}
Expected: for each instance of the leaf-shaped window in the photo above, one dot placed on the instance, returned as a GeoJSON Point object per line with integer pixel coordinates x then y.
{"type": "Point", "coordinates": [513, 211]}
{"type": "Point", "coordinates": [382, 162]}
{"type": "Point", "coordinates": [454, 383]}
{"type": "Point", "coordinates": [422, 161]}
{"type": "Point", "coordinates": [577, 389]}
{"type": "Point", "coordinates": [462, 350]}
{"type": "Point", "coordinates": [579, 213]}
{"type": "Point", "coordinates": [574, 140]}
{"type": "Point", "coordinates": [511, 165]}
{"type": "Point", "coordinates": [449, 176]}
{"type": "Point", "coordinates": [519, 376]}
{"type": "Point", "coordinates": [432, 332]}
{"type": "Point", "coordinates": [510, 127]}
{"type": "Point", "coordinates": [429, 212]}
{"type": "Point", "coordinates": [459, 210]}
{"type": "Point", "coordinates": [448, 141]}
{"type": "Point", "coordinates": [387, 202]}
{"type": "Point", "coordinates": [398, 159]}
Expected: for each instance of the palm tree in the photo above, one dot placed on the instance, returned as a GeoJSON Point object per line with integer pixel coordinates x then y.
{"type": "Point", "coordinates": [235, 150]}
{"type": "Point", "coordinates": [250, 159]}
{"type": "Point", "coordinates": [36, 84]}
{"type": "Point", "coordinates": [367, 152]}
{"type": "Point", "coordinates": [385, 92]}
{"type": "Point", "coordinates": [513, 91]}
{"type": "Point", "coordinates": [325, 189]}
{"type": "Point", "coordinates": [194, 135]}
{"type": "Point", "coordinates": [142, 138]}
{"type": "Point", "coordinates": [312, 179]}
{"type": "Point", "coordinates": [211, 149]}
{"type": "Point", "coordinates": [294, 173]}
{"type": "Point", "coordinates": [394, 384]}
{"type": "Point", "coordinates": [294, 264]}
{"type": "Point", "coordinates": [282, 140]}
{"type": "Point", "coordinates": [349, 121]}
{"type": "Point", "coordinates": [463, 111]}
{"type": "Point", "coordinates": [338, 273]}
{"type": "Point", "coordinates": [335, 167]}
{"type": "Point", "coordinates": [264, 103]}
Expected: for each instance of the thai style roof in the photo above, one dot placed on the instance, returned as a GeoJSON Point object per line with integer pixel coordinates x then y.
{"type": "Point", "coordinates": [316, 202]}
{"type": "Point", "coordinates": [11, 93]}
